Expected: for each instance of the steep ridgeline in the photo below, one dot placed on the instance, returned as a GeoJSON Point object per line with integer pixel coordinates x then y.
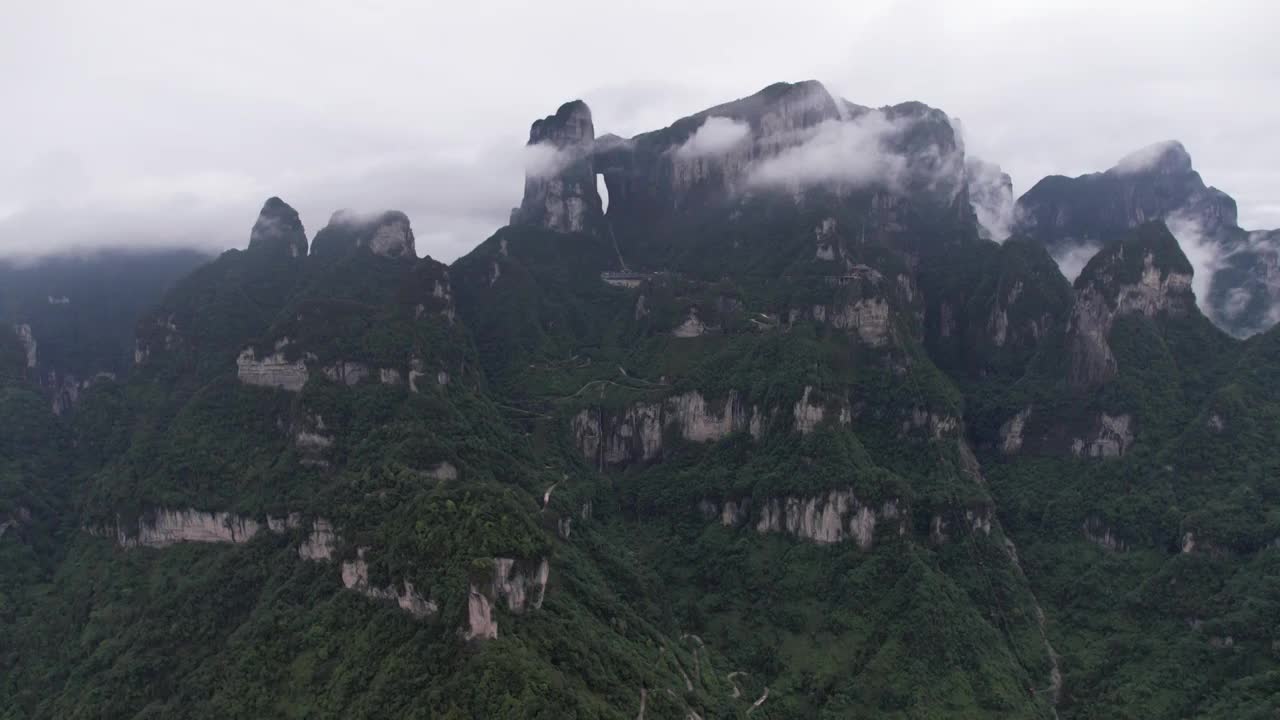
{"type": "Point", "coordinates": [756, 390]}
{"type": "Point", "coordinates": [1075, 216]}
{"type": "Point", "coordinates": [789, 177]}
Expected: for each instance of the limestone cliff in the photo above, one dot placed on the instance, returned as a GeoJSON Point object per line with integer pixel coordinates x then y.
{"type": "Point", "coordinates": [635, 433]}
{"type": "Point", "coordinates": [560, 180]}
{"type": "Point", "coordinates": [1146, 275]}
{"type": "Point", "coordinates": [274, 370]}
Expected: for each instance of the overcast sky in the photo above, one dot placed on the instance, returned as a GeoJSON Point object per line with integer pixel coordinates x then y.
{"type": "Point", "coordinates": [171, 121]}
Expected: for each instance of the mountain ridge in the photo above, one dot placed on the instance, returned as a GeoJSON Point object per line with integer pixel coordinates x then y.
{"type": "Point", "coordinates": [823, 450]}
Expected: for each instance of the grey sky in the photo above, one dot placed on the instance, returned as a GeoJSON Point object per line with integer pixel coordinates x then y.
{"type": "Point", "coordinates": [167, 122]}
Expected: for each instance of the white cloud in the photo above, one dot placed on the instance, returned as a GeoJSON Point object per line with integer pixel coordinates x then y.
{"type": "Point", "coordinates": [544, 159]}
{"type": "Point", "coordinates": [1145, 158]}
{"type": "Point", "coordinates": [716, 136]}
{"type": "Point", "coordinates": [850, 152]}
{"type": "Point", "coordinates": [991, 196]}
{"type": "Point", "coordinates": [1205, 255]}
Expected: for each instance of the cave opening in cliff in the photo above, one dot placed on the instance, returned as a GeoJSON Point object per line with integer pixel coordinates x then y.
{"type": "Point", "coordinates": [603, 189]}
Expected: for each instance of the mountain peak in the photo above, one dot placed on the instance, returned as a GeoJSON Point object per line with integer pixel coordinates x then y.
{"type": "Point", "coordinates": [570, 125]}
{"type": "Point", "coordinates": [560, 180]}
{"type": "Point", "coordinates": [1163, 158]}
{"type": "Point", "coordinates": [1150, 255]}
{"type": "Point", "coordinates": [278, 229]}
{"type": "Point", "coordinates": [1146, 274]}
{"type": "Point", "coordinates": [387, 233]}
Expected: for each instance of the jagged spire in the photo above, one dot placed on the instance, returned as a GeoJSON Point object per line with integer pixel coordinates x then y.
{"type": "Point", "coordinates": [560, 181]}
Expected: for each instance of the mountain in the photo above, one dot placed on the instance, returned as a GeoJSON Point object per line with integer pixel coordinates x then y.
{"type": "Point", "coordinates": [781, 433]}
{"type": "Point", "coordinates": [1075, 216]}
{"type": "Point", "coordinates": [76, 314]}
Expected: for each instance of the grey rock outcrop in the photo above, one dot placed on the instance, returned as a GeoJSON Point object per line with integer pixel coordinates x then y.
{"type": "Point", "coordinates": [166, 527]}
{"type": "Point", "coordinates": [355, 577]}
{"type": "Point", "coordinates": [521, 587]}
{"type": "Point", "coordinates": [274, 370]}
{"type": "Point", "coordinates": [635, 434]}
{"type": "Point", "coordinates": [836, 516]}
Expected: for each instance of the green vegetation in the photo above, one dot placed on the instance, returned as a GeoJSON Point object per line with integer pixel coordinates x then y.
{"type": "Point", "coordinates": [471, 447]}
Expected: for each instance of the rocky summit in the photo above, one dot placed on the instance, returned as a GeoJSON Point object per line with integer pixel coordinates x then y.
{"type": "Point", "coordinates": [1241, 288]}
{"type": "Point", "coordinates": [808, 423]}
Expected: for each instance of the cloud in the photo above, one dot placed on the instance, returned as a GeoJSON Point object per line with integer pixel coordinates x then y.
{"type": "Point", "coordinates": [454, 200]}
{"type": "Point", "coordinates": [544, 159]}
{"type": "Point", "coordinates": [991, 196]}
{"type": "Point", "coordinates": [864, 151]}
{"type": "Point", "coordinates": [1146, 158]}
{"type": "Point", "coordinates": [1072, 259]}
{"type": "Point", "coordinates": [853, 152]}
{"type": "Point", "coordinates": [716, 136]}
{"type": "Point", "coordinates": [1206, 256]}
{"type": "Point", "coordinates": [1239, 263]}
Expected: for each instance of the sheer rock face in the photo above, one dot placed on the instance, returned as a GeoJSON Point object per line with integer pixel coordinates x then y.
{"type": "Point", "coordinates": [560, 180]}
{"type": "Point", "coordinates": [278, 230]}
{"type": "Point", "coordinates": [835, 517]}
{"type": "Point", "coordinates": [778, 146]}
{"type": "Point", "coordinates": [274, 370]}
{"type": "Point", "coordinates": [1147, 275]}
{"type": "Point", "coordinates": [521, 587]}
{"type": "Point", "coordinates": [636, 433]}
{"type": "Point", "coordinates": [167, 526]}
{"type": "Point", "coordinates": [387, 234]}
{"type": "Point", "coordinates": [480, 622]}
